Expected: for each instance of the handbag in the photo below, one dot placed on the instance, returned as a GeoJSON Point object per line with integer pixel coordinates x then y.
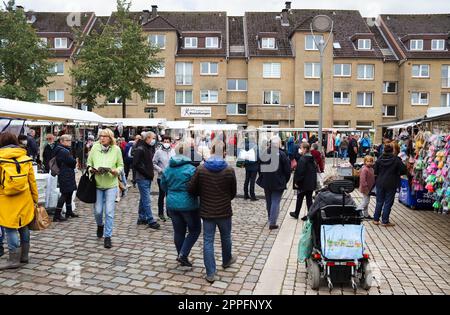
{"type": "Point", "coordinates": [293, 164]}
{"type": "Point", "coordinates": [87, 188]}
{"type": "Point", "coordinates": [41, 219]}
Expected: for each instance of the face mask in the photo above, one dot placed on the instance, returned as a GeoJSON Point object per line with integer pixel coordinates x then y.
{"type": "Point", "coordinates": [153, 142]}
{"type": "Point", "coordinates": [166, 145]}
{"type": "Point", "coordinates": [25, 142]}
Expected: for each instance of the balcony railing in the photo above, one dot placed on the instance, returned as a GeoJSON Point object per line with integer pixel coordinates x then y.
{"type": "Point", "coordinates": [183, 79]}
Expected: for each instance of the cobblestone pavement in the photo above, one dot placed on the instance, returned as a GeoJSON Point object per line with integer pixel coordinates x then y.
{"type": "Point", "coordinates": [411, 258]}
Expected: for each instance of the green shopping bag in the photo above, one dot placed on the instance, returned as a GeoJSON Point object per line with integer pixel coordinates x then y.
{"type": "Point", "coordinates": [306, 242]}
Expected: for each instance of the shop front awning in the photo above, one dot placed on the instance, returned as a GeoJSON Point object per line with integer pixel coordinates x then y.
{"type": "Point", "coordinates": [402, 123]}
{"type": "Point", "coordinates": [137, 122]}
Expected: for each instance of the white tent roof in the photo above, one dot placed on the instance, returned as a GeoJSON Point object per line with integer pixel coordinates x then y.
{"type": "Point", "coordinates": [37, 111]}
{"type": "Point", "coordinates": [212, 127]}
{"type": "Point", "coordinates": [437, 111]}
{"type": "Point", "coordinates": [137, 122]}
{"type": "Point", "coordinates": [178, 124]}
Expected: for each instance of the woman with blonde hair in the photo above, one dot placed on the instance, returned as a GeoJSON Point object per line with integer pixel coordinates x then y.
{"type": "Point", "coordinates": [105, 161]}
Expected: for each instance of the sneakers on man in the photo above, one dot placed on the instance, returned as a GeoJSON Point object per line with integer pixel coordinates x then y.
{"type": "Point", "coordinates": [273, 227]}
{"type": "Point", "coordinates": [211, 278]}
{"type": "Point", "coordinates": [376, 222]}
{"type": "Point", "coordinates": [154, 226]}
{"type": "Point", "coordinates": [162, 218]}
{"type": "Point", "coordinates": [231, 262]}
{"type": "Point", "coordinates": [184, 261]}
{"type": "Point", "coordinates": [108, 243]}
{"type": "Point", "coordinates": [100, 229]}
{"type": "Point", "coordinates": [294, 215]}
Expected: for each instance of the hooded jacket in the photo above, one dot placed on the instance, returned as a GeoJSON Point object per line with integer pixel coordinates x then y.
{"type": "Point", "coordinates": [175, 180]}
{"type": "Point", "coordinates": [305, 177]}
{"type": "Point", "coordinates": [278, 179]}
{"type": "Point", "coordinates": [388, 169]}
{"type": "Point", "coordinates": [215, 183]}
{"type": "Point", "coordinates": [66, 164]}
{"type": "Point", "coordinates": [18, 211]}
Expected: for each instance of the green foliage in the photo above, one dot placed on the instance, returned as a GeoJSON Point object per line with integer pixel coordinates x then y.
{"type": "Point", "coordinates": [23, 60]}
{"type": "Point", "coordinates": [114, 62]}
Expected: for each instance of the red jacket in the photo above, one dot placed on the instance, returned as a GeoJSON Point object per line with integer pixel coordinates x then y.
{"type": "Point", "coordinates": [318, 158]}
{"type": "Point", "coordinates": [366, 179]}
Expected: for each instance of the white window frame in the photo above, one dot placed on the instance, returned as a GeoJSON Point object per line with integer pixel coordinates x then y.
{"type": "Point", "coordinates": [364, 99]}
{"type": "Point", "coordinates": [56, 100]}
{"type": "Point", "coordinates": [420, 98]}
{"type": "Point", "coordinates": [190, 41]}
{"type": "Point", "coordinates": [421, 67]}
{"type": "Point", "coordinates": [385, 87]}
{"type": "Point", "coordinates": [315, 102]}
{"type": "Point", "coordinates": [209, 68]}
{"type": "Point", "coordinates": [215, 45]}
{"type": "Point", "coordinates": [117, 101]}
{"type": "Point", "coordinates": [184, 97]}
{"type": "Point", "coordinates": [341, 68]}
{"type": "Point", "coordinates": [272, 93]}
{"type": "Point", "coordinates": [385, 111]}
{"type": "Point", "coordinates": [273, 66]}
{"type": "Point", "coordinates": [314, 65]}
{"type": "Point", "coordinates": [447, 99]}
{"type": "Point", "coordinates": [309, 38]}
{"type": "Point", "coordinates": [157, 37]}
{"type": "Point", "coordinates": [61, 40]}
{"type": "Point", "coordinates": [364, 44]}
{"type": "Point", "coordinates": [438, 47]}
{"type": "Point", "coordinates": [268, 43]}
{"type": "Point", "coordinates": [187, 78]}
{"type": "Point", "coordinates": [236, 84]}
{"type": "Point", "coordinates": [445, 79]}
{"type": "Point", "coordinates": [236, 113]}
{"type": "Point", "coordinates": [156, 93]}
{"type": "Point", "coordinates": [366, 71]}
{"type": "Point", "coordinates": [342, 126]}
{"type": "Point", "coordinates": [416, 46]}
{"type": "Point", "coordinates": [209, 99]}
{"type": "Point", "coordinates": [160, 72]}
{"type": "Point", "coordinates": [311, 126]}
{"type": "Point", "coordinates": [342, 98]}
{"type": "Point", "coordinates": [55, 68]}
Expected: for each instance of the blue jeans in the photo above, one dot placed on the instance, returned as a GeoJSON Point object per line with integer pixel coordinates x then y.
{"type": "Point", "coordinates": [183, 221]}
{"type": "Point", "coordinates": [145, 201]}
{"type": "Point", "coordinates": [273, 200]}
{"type": "Point", "coordinates": [13, 238]}
{"type": "Point", "coordinates": [385, 200]}
{"type": "Point", "coordinates": [106, 203]}
{"type": "Point", "coordinates": [2, 235]}
{"type": "Point", "coordinates": [344, 153]}
{"type": "Point", "coordinates": [209, 231]}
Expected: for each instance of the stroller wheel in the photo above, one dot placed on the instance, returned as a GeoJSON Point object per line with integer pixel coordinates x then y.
{"type": "Point", "coordinates": [313, 274]}
{"type": "Point", "coordinates": [367, 277]}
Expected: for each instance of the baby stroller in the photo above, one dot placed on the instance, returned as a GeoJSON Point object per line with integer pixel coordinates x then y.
{"type": "Point", "coordinates": [338, 242]}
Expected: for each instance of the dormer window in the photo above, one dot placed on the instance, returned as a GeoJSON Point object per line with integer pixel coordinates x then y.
{"type": "Point", "coordinates": [190, 42]}
{"type": "Point", "coordinates": [364, 44]}
{"type": "Point", "coordinates": [61, 43]}
{"type": "Point", "coordinates": [416, 44]}
{"type": "Point", "coordinates": [212, 42]}
{"type": "Point", "coordinates": [268, 43]}
{"type": "Point", "coordinates": [438, 44]}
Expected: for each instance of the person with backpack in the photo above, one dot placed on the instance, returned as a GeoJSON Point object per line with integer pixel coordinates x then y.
{"type": "Point", "coordinates": [18, 198]}
{"type": "Point", "coordinates": [365, 145]}
{"type": "Point", "coordinates": [66, 178]}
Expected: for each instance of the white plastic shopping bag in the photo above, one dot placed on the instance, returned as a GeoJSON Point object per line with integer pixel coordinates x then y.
{"type": "Point", "coordinates": [343, 241]}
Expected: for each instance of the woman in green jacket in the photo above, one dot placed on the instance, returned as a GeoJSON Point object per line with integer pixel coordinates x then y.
{"type": "Point", "coordinates": [105, 160]}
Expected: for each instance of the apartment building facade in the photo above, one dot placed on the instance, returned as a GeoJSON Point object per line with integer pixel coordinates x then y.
{"type": "Point", "coordinates": [262, 69]}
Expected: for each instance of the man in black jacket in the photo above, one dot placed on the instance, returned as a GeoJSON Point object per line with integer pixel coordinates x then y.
{"type": "Point", "coordinates": [353, 149]}
{"type": "Point", "coordinates": [388, 169]}
{"type": "Point", "coordinates": [48, 151]}
{"type": "Point", "coordinates": [143, 165]}
{"type": "Point", "coordinates": [251, 171]}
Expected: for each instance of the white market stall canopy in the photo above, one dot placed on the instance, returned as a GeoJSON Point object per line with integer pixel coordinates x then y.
{"type": "Point", "coordinates": [137, 122]}
{"type": "Point", "coordinates": [177, 124]}
{"type": "Point", "coordinates": [37, 111]}
{"type": "Point", "coordinates": [214, 127]}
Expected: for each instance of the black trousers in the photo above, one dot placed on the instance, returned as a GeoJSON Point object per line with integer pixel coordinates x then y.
{"type": "Point", "coordinates": [127, 167]}
{"type": "Point", "coordinates": [250, 179]}
{"type": "Point", "coordinates": [300, 196]}
{"type": "Point", "coordinates": [65, 199]}
{"type": "Point", "coordinates": [161, 197]}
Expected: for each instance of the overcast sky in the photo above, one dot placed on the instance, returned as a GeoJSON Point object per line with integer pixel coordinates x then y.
{"type": "Point", "coordinates": [238, 7]}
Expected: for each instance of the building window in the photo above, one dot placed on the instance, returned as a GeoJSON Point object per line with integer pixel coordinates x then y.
{"type": "Point", "coordinates": [389, 87]}
{"type": "Point", "coordinates": [270, 124]}
{"type": "Point", "coordinates": [61, 43]}
{"type": "Point", "coordinates": [156, 97]}
{"type": "Point", "coordinates": [268, 43]}
{"type": "Point", "coordinates": [421, 71]}
{"type": "Point", "coordinates": [341, 124]}
{"type": "Point", "coordinates": [365, 99]}
{"type": "Point", "coordinates": [158, 72]}
{"type": "Point", "coordinates": [389, 111]}
{"type": "Point", "coordinates": [212, 42]}
{"type": "Point", "coordinates": [365, 72]}
{"type": "Point", "coordinates": [311, 124]}
{"type": "Point", "coordinates": [237, 109]}
{"type": "Point", "coordinates": [272, 70]}
{"type": "Point", "coordinates": [115, 101]}
{"type": "Point", "coordinates": [183, 73]}
{"type": "Point", "coordinates": [158, 40]}
{"type": "Point", "coordinates": [312, 70]}
{"type": "Point", "coordinates": [58, 68]}
{"type": "Point", "coordinates": [209, 68]}
{"type": "Point", "coordinates": [364, 124]}
{"type": "Point", "coordinates": [438, 44]}
{"type": "Point", "coordinates": [445, 74]}
{"type": "Point", "coordinates": [272, 97]}
{"type": "Point", "coordinates": [419, 98]}
{"type": "Point", "coordinates": [237, 85]}
{"type": "Point", "coordinates": [209, 96]}
{"type": "Point", "coordinates": [183, 97]}
{"type": "Point", "coordinates": [56, 96]}
{"type": "Point", "coordinates": [312, 98]}
{"type": "Point", "coordinates": [43, 42]}
{"type": "Point", "coordinates": [310, 44]}
{"type": "Point", "coordinates": [341, 98]}
{"type": "Point", "coordinates": [416, 44]}
{"type": "Point", "coordinates": [342, 70]}
{"type": "Point", "coordinates": [190, 42]}
{"type": "Point", "coordinates": [445, 100]}
{"type": "Point", "coordinates": [364, 44]}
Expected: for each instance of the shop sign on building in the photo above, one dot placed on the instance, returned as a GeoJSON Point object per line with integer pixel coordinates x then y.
{"type": "Point", "coordinates": [196, 112]}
